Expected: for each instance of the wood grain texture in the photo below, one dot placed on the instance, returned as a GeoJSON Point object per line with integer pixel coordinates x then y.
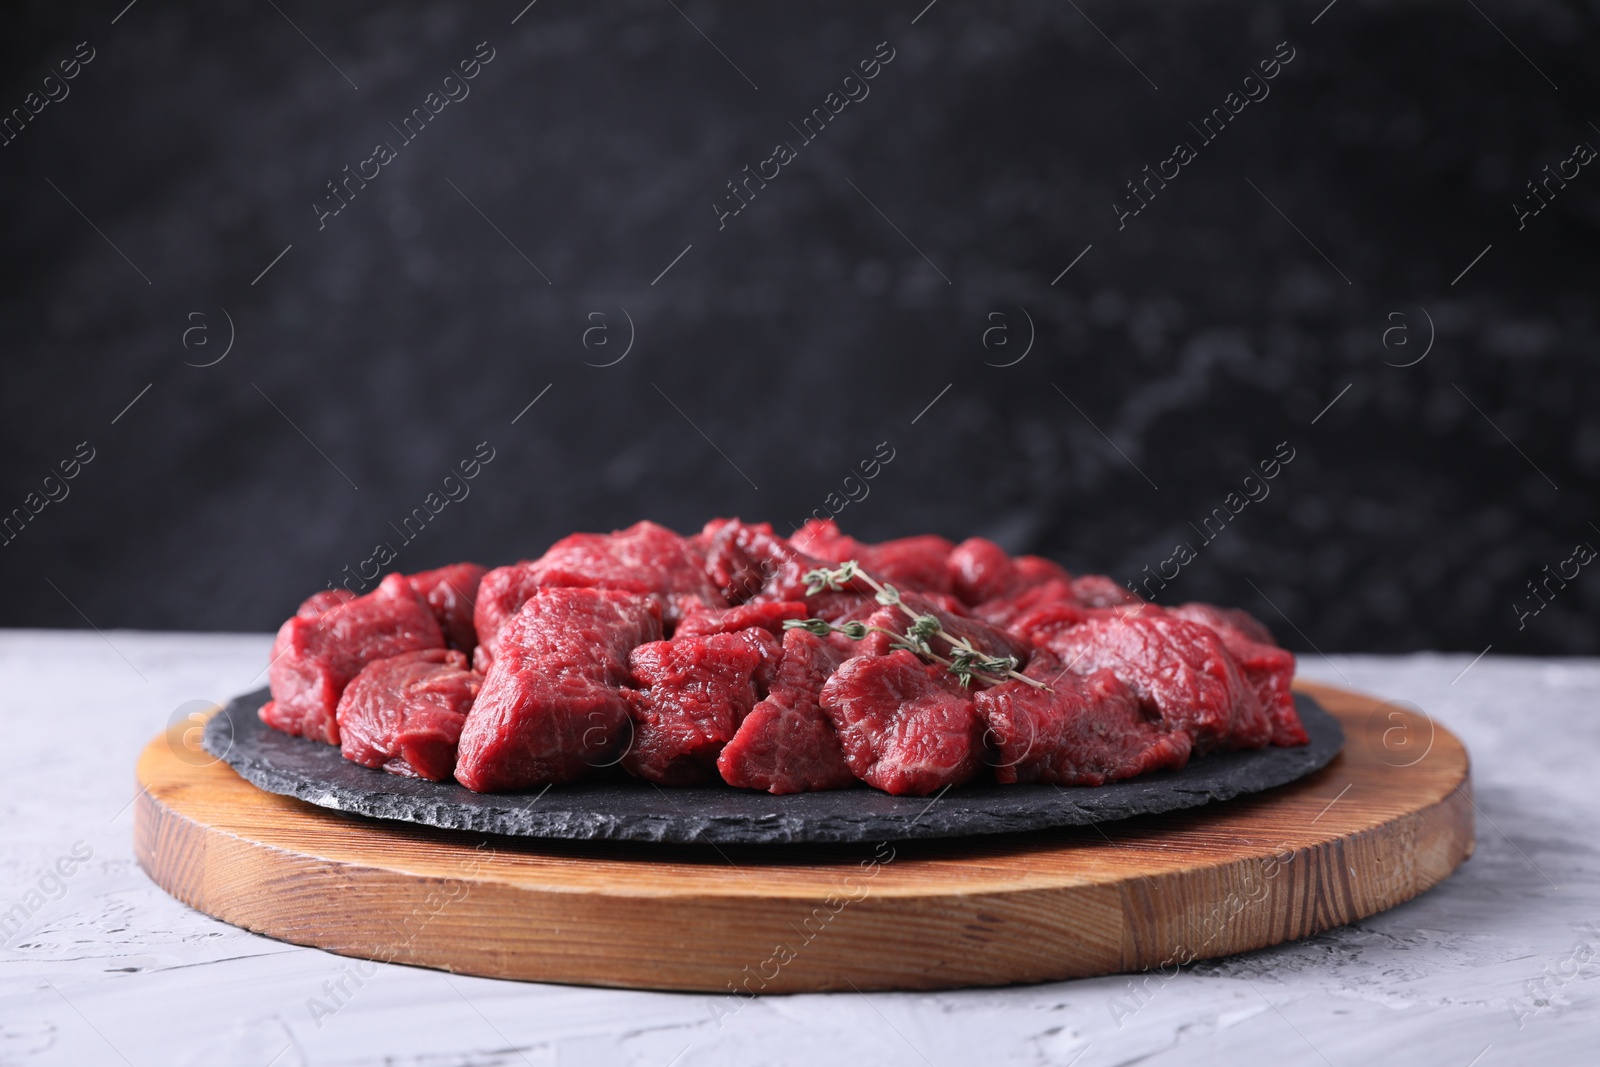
{"type": "Point", "coordinates": [1391, 817]}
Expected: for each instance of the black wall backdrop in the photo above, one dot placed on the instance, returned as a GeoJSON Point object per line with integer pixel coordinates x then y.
{"type": "Point", "coordinates": [947, 264]}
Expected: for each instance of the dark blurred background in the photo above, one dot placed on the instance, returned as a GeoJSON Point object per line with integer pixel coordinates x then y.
{"type": "Point", "coordinates": [917, 242]}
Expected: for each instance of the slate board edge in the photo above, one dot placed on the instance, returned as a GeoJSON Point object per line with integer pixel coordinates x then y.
{"type": "Point", "coordinates": [1159, 795]}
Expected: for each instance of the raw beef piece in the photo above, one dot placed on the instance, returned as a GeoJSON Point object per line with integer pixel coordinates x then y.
{"type": "Point", "coordinates": [1036, 570]}
{"type": "Point", "coordinates": [787, 743]}
{"type": "Point", "coordinates": [693, 693]}
{"type": "Point", "coordinates": [1034, 612]}
{"type": "Point", "coordinates": [731, 567]}
{"type": "Point", "coordinates": [750, 562]}
{"type": "Point", "coordinates": [983, 637]}
{"type": "Point", "coordinates": [768, 615]}
{"type": "Point", "coordinates": [805, 663]}
{"type": "Point", "coordinates": [770, 647]}
{"type": "Point", "coordinates": [1176, 668]}
{"type": "Point", "coordinates": [875, 643]}
{"type": "Point", "coordinates": [1039, 622]}
{"type": "Point", "coordinates": [1004, 611]}
{"type": "Point", "coordinates": [905, 726]}
{"type": "Point", "coordinates": [313, 659]}
{"type": "Point", "coordinates": [646, 559]}
{"type": "Point", "coordinates": [327, 600]}
{"type": "Point", "coordinates": [782, 748]}
{"type": "Point", "coordinates": [1085, 730]}
{"type": "Point", "coordinates": [1268, 668]}
{"type": "Point", "coordinates": [919, 563]}
{"type": "Point", "coordinates": [551, 706]}
{"type": "Point", "coordinates": [980, 570]}
{"type": "Point", "coordinates": [451, 592]}
{"type": "Point", "coordinates": [1038, 625]}
{"type": "Point", "coordinates": [838, 606]}
{"type": "Point", "coordinates": [404, 713]}
{"type": "Point", "coordinates": [501, 594]}
{"type": "Point", "coordinates": [822, 539]}
{"type": "Point", "coordinates": [945, 603]}
{"type": "Point", "coordinates": [1242, 623]}
{"type": "Point", "coordinates": [1098, 591]}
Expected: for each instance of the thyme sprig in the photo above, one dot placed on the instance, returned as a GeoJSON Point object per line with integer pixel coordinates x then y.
{"type": "Point", "coordinates": [965, 661]}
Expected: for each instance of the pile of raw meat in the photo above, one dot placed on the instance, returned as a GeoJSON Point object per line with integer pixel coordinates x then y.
{"type": "Point", "coordinates": [668, 656]}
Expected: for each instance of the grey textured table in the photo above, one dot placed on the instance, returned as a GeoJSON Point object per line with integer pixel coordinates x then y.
{"type": "Point", "coordinates": [1496, 966]}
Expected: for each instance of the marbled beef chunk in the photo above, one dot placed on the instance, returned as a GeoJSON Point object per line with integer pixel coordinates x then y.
{"type": "Point", "coordinates": [1083, 730]}
{"type": "Point", "coordinates": [980, 571]}
{"type": "Point", "coordinates": [326, 600]}
{"type": "Point", "coordinates": [1036, 570]}
{"type": "Point", "coordinates": [905, 726]}
{"type": "Point", "coordinates": [747, 561]}
{"type": "Point", "coordinates": [981, 636]}
{"type": "Point", "coordinates": [501, 594]}
{"type": "Point", "coordinates": [822, 539]}
{"type": "Point", "coordinates": [313, 659]}
{"type": "Point", "coordinates": [1006, 610]}
{"type": "Point", "coordinates": [1178, 669]}
{"type": "Point", "coordinates": [1265, 666]}
{"type": "Point", "coordinates": [1038, 625]}
{"type": "Point", "coordinates": [733, 567]}
{"type": "Point", "coordinates": [1033, 582]}
{"type": "Point", "coordinates": [783, 748]}
{"type": "Point", "coordinates": [551, 707]}
{"type": "Point", "coordinates": [769, 615]}
{"type": "Point", "coordinates": [451, 593]}
{"type": "Point", "coordinates": [404, 714]}
{"type": "Point", "coordinates": [645, 559]}
{"type": "Point", "coordinates": [841, 605]}
{"type": "Point", "coordinates": [693, 693]}
{"type": "Point", "coordinates": [921, 563]}
{"type": "Point", "coordinates": [1098, 591]}
{"type": "Point", "coordinates": [1240, 623]}
{"type": "Point", "coordinates": [787, 743]}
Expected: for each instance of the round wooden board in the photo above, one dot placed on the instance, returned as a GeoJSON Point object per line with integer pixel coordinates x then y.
{"type": "Point", "coordinates": [1389, 818]}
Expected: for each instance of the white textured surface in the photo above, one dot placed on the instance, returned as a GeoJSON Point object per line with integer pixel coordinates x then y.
{"type": "Point", "coordinates": [114, 971]}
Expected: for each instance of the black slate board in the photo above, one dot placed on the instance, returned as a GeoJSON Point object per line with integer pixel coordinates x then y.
{"type": "Point", "coordinates": [627, 809]}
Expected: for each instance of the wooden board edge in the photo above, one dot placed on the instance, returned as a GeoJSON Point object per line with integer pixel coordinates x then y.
{"type": "Point", "coordinates": [957, 939]}
{"type": "Point", "coordinates": [947, 939]}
